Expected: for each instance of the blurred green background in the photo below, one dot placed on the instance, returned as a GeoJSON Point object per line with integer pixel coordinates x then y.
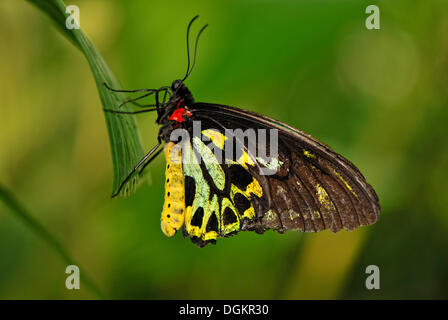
{"type": "Point", "coordinates": [379, 97]}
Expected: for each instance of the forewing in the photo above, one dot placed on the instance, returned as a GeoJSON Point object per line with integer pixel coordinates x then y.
{"type": "Point", "coordinates": [314, 187]}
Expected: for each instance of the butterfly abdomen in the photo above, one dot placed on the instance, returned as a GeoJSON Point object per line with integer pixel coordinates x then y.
{"type": "Point", "coordinates": [174, 206]}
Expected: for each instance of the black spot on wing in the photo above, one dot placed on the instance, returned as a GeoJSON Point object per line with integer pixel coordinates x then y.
{"type": "Point", "coordinates": [190, 191]}
{"type": "Point", "coordinates": [228, 216]}
{"type": "Point", "coordinates": [212, 224]}
{"type": "Point", "coordinates": [197, 217]}
{"type": "Point", "coordinates": [241, 203]}
{"type": "Point", "coordinates": [239, 176]}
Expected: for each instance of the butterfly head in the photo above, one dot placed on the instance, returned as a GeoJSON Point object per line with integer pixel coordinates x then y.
{"type": "Point", "coordinates": [176, 84]}
{"type": "Point", "coordinates": [181, 92]}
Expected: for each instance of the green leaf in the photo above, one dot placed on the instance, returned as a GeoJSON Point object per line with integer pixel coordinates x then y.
{"type": "Point", "coordinates": [123, 131]}
{"type": "Point", "coordinates": [39, 230]}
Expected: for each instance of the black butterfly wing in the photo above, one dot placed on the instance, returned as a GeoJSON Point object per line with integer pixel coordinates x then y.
{"type": "Point", "coordinates": [314, 188]}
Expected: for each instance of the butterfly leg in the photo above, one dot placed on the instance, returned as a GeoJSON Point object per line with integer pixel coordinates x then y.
{"type": "Point", "coordinates": [150, 92]}
{"type": "Point", "coordinates": [150, 155]}
{"type": "Point", "coordinates": [120, 90]}
{"type": "Point", "coordinates": [130, 112]}
{"type": "Point", "coordinates": [133, 101]}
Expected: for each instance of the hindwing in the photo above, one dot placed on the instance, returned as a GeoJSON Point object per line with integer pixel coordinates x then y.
{"type": "Point", "coordinates": [314, 188]}
{"type": "Point", "coordinates": [222, 193]}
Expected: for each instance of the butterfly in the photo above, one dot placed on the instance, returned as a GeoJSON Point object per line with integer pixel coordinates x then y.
{"type": "Point", "coordinates": [218, 184]}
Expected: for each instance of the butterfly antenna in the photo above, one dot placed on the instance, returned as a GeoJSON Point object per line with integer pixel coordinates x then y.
{"type": "Point", "coordinates": [195, 50]}
{"type": "Point", "coordinates": [188, 45]}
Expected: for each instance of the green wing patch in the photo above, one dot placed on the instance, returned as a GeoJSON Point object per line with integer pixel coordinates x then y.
{"type": "Point", "coordinates": [221, 193]}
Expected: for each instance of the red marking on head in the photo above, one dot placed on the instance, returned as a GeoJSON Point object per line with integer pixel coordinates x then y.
{"type": "Point", "coordinates": [178, 114]}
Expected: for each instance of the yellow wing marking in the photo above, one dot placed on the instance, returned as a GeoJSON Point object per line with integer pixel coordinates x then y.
{"type": "Point", "coordinates": [250, 212]}
{"type": "Point", "coordinates": [255, 188]}
{"type": "Point", "coordinates": [226, 229]}
{"type": "Point", "coordinates": [212, 208]}
{"type": "Point", "coordinates": [345, 182]}
{"type": "Point", "coordinates": [216, 137]}
{"type": "Point", "coordinates": [308, 154]}
{"type": "Point", "coordinates": [245, 159]}
{"type": "Point", "coordinates": [323, 198]}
